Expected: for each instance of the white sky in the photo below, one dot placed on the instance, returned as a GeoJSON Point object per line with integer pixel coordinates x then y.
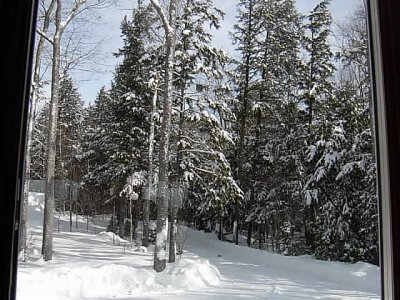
{"type": "Point", "coordinates": [90, 83]}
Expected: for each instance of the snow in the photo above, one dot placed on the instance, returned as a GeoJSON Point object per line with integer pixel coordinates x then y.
{"type": "Point", "coordinates": [113, 237]}
{"type": "Point", "coordinates": [89, 266]}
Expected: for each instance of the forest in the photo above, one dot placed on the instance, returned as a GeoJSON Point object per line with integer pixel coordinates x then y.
{"type": "Point", "coordinates": [273, 146]}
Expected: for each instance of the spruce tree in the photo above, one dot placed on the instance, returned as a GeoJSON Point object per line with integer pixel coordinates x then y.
{"type": "Point", "coordinates": [347, 227]}
{"type": "Point", "coordinates": [201, 103]}
{"type": "Point", "coordinates": [130, 104]}
{"type": "Point", "coordinates": [70, 121]}
{"type": "Point", "coordinates": [267, 36]}
{"type": "Point", "coordinates": [317, 89]}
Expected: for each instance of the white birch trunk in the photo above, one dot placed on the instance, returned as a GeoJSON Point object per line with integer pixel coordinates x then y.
{"type": "Point", "coordinates": [160, 251]}
{"type": "Point", "coordinates": [47, 246]}
{"type": "Point", "coordinates": [31, 121]}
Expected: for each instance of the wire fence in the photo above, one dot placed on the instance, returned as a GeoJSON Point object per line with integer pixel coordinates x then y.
{"type": "Point", "coordinates": [64, 190]}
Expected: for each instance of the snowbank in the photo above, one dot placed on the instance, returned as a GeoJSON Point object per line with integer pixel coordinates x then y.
{"type": "Point", "coordinates": [115, 280]}
{"type": "Point", "coordinates": [113, 237]}
{"type": "Point", "coordinates": [190, 274]}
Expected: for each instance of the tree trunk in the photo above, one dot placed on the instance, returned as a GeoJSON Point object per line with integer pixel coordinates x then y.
{"type": "Point", "coordinates": [47, 245]}
{"type": "Point", "coordinates": [31, 120]}
{"type": "Point", "coordinates": [242, 122]}
{"type": "Point", "coordinates": [249, 232]}
{"type": "Point", "coordinates": [162, 210]}
{"type": "Point", "coordinates": [221, 228]}
{"type": "Point", "coordinates": [146, 203]}
{"type": "Point", "coordinates": [121, 218]}
{"type": "Point", "coordinates": [70, 216]}
{"type": "Point", "coordinates": [131, 235]}
{"type": "Point", "coordinates": [235, 225]}
{"type": "Point", "coordinates": [113, 222]}
{"type": "Point", "coordinates": [173, 229]}
{"type": "Point", "coordinates": [178, 178]}
{"type": "Point", "coordinates": [136, 215]}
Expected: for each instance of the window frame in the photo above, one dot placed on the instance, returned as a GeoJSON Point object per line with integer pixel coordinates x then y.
{"type": "Point", "coordinates": [384, 30]}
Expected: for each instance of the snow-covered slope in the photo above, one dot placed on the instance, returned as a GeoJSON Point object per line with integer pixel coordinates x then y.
{"type": "Point", "coordinates": [88, 266]}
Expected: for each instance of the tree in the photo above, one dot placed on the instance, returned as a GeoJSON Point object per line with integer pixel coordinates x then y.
{"type": "Point", "coordinates": [267, 36]}
{"type": "Point", "coordinates": [347, 226]}
{"type": "Point", "coordinates": [38, 144]}
{"type": "Point", "coordinates": [150, 175]}
{"type": "Point", "coordinates": [59, 28]}
{"type": "Point", "coordinates": [245, 36]}
{"type": "Point", "coordinates": [200, 108]}
{"type": "Point", "coordinates": [70, 131]}
{"type": "Point", "coordinates": [34, 96]}
{"type": "Point", "coordinates": [132, 97]}
{"type": "Point", "coordinates": [169, 25]}
{"type": "Point", "coordinates": [317, 89]}
{"type": "Point", "coordinates": [118, 145]}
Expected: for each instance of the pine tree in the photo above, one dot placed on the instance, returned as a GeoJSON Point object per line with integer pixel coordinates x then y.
{"type": "Point", "coordinates": [96, 138]}
{"type": "Point", "coordinates": [71, 115]}
{"type": "Point", "coordinates": [245, 36]}
{"type": "Point", "coordinates": [198, 135]}
{"type": "Point", "coordinates": [267, 36]}
{"type": "Point", "coordinates": [131, 104]}
{"type": "Point", "coordinates": [38, 146]}
{"type": "Point", "coordinates": [348, 223]}
{"type": "Point", "coordinates": [317, 89]}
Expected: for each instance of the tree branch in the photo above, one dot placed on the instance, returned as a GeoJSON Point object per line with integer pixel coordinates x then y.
{"type": "Point", "coordinates": [43, 35]}
{"type": "Point", "coordinates": [75, 10]}
{"type": "Point", "coordinates": [163, 17]}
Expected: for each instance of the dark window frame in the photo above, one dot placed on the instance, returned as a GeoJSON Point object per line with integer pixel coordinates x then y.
{"type": "Point", "coordinates": [384, 30]}
{"type": "Point", "coordinates": [18, 26]}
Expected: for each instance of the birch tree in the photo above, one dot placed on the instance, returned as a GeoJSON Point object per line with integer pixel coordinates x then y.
{"type": "Point", "coordinates": [168, 21]}
{"type": "Point", "coordinates": [36, 83]}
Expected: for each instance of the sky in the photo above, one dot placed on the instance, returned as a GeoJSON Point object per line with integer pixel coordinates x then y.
{"type": "Point", "coordinates": [89, 83]}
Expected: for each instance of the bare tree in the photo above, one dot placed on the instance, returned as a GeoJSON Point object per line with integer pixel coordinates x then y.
{"type": "Point", "coordinates": [160, 252]}
{"type": "Point", "coordinates": [60, 25]}
{"type": "Point", "coordinates": [31, 118]}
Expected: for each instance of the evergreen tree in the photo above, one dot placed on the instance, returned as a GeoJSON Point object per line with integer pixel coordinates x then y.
{"type": "Point", "coordinates": [347, 227]}
{"type": "Point", "coordinates": [317, 89]}
{"type": "Point", "coordinates": [130, 107]}
{"type": "Point", "coordinates": [96, 139]}
{"type": "Point", "coordinates": [38, 145]}
{"type": "Point", "coordinates": [71, 115]}
{"type": "Point", "coordinates": [267, 35]}
{"type": "Point", "coordinates": [201, 102]}
{"type": "Point", "coordinates": [245, 37]}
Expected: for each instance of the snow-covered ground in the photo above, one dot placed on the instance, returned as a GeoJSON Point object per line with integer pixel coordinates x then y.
{"type": "Point", "coordinates": [90, 266]}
